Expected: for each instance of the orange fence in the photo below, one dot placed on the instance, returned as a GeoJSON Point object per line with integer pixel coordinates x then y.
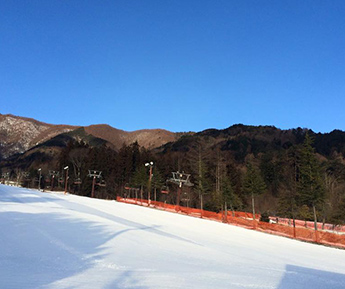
{"type": "Point", "coordinates": [243, 219]}
{"type": "Point", "coordinates": [308, 224]}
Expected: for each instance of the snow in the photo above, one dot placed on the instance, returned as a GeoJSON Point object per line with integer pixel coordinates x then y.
{"type": "Point", "coordinates": [18, 134]}
{"type": "Point", "coordinates": [21, 132]}
{"type": "Point", "coordinates": [52, 240]}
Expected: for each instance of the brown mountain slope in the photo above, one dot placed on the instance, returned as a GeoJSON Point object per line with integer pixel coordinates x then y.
{"type": "Point", "coordinates": [148, 138]}
{"type": "Point", "coordinates": [19, 134]}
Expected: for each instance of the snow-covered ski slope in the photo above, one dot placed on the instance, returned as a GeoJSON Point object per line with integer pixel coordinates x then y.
{"type": "Point", "coordinates": [51, 240]}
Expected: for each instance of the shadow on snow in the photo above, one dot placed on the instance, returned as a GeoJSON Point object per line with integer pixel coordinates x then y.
{"type": "Point", "coordinates": [36, 249]}
{"type": "Point", "coordinates": [301, 278]}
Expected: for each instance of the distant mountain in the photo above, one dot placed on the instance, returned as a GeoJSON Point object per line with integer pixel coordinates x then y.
{"type": "Point", "coordinates": [79, 134]}
{"type": "Point", "coordinates": [50, 150]}
{"type": "Point", "coordinates": [240, 140]}
{"type": "Point", "coordinates": [148, 138]}
{"type": "Point", "coordinates": [20, 134]}
{"type": "Point", "coordinates": [239, 137]}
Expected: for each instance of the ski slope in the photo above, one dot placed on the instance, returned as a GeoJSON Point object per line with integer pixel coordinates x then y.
{"type": "Point", "coordinates": [52, 240]}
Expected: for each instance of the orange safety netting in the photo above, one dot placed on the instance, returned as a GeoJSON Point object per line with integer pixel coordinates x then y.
{"type": "Point", "coordinates": [243, 219]}
{"type": "Point", "coordinates": [307, 224]}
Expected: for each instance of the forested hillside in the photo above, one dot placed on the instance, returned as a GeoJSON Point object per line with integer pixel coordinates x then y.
{"type": "Point", "coordinates": [288, 173]}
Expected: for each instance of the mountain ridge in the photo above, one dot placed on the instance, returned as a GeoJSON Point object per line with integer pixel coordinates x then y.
{"type": "Point", "coordinates": [19, 134]}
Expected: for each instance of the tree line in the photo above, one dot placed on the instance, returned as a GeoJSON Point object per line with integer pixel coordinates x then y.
{"type": "Point", "coordinates": [295, 182]}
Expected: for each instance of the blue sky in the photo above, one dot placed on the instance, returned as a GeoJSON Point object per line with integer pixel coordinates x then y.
{"type": "Point", "coordinates": [181, 65]}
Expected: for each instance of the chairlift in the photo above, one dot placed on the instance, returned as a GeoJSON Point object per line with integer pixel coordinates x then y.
{"type": "Point", "coordinates": [181, 179]}
{"type": "Point", "coordinates": [101, 183]}
{"type": "Point", "coordinates": [165, 190]}
{"type": "Point", "coordinates": [26, 176]}
{"type": "Point", "coordinates": [77, 181]}
{"type": "Point", "coordinates": [54, 174]}
{"type": "Point", "coordinates": [61, 180]}
{"type": "Point", "coordinates": [185, 197]}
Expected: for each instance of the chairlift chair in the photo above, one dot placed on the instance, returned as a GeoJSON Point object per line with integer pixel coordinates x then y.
{"type": "Point", "coordinates": [101, 183]}
{"type": "Point", "coordinates": [165, 190]}
{"type": "Point", "coordinates": [185, 197]}
{"type": "Point", "coordinates": [181, 179]}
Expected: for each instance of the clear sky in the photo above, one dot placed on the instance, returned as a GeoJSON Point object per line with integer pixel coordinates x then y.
{"type": "Point", "coordinates": [181, 65]}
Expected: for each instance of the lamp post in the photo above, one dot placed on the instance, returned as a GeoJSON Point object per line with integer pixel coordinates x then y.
{"type": "Point", "coordinates": [39, 179]}
{"type": "Point", "coordinates": [150, 165]}
{"type": "Point", "coordinates": [66, 178]}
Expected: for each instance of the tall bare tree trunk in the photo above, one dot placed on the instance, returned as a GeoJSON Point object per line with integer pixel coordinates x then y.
{"type": "Point", "coordinates": [315, 218]}
{"type": "Point", "coordinates": [253, 206]}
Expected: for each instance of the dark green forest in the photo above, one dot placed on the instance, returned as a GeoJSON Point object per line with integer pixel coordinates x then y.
{"type": "Point", "coordinates": [288, 173]}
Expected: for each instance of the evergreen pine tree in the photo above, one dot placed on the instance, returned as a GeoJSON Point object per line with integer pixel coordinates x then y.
{"type": "Point", "coordinates": [140, 179]}
{"type": "Point", "coordinates": [229, 197]}
{"type": "Point", "coordinates": [253, 184]}
{"type": "Point", "coordinates": [310, 188]}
